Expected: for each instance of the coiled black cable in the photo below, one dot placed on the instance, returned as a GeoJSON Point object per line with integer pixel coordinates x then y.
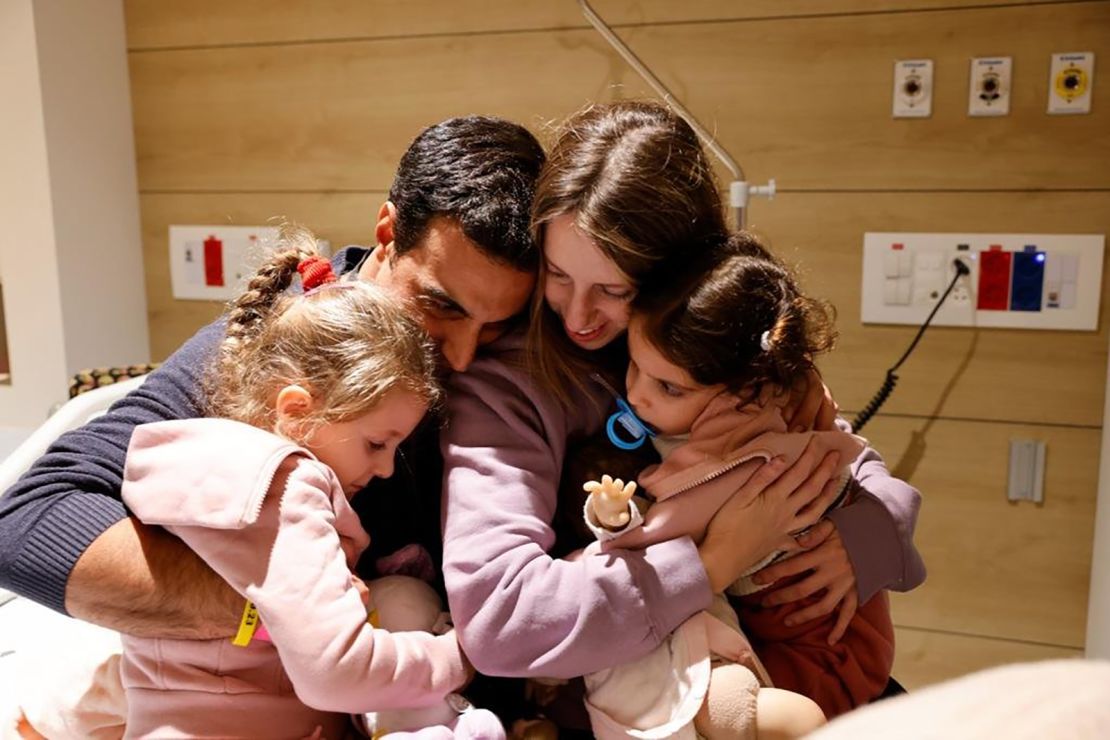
{"type": "Point", "coordinates": [891, 376]}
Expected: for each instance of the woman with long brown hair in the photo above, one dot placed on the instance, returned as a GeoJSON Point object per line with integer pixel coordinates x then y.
{"type": "Point", "coordinates": [627, 189]}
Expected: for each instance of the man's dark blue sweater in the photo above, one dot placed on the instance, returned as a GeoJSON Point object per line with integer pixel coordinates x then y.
{"type": "Point", "coordinates": [72, 493]}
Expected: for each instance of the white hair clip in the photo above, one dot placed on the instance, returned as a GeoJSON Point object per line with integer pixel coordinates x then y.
{"type": "Point", "coordinates": [765, 341]}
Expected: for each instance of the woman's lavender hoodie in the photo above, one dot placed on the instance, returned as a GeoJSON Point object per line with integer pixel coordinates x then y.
{"type": "Point", "coordinates": [520, 612]}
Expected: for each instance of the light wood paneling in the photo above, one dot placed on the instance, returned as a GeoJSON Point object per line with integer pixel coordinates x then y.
{"type": "Point", "coordinates": [924, 658]}
{"type": "Point", "coordinates": [955, 372]}
{"type": "Point", "coordinates": [345, 218]}
{"type": "Point", "coordinates": [1031, 376]}
{"type": "Point", "coordinates": [339, 116]}
{"type": "Point", "coordinates": [172, 23]}
{"type": "Point", "coordinates": [808, 101]}
{"type": "Point", "coordinates": [804, 100]}
{"type": "Point", "coordinates": [1015, 571]}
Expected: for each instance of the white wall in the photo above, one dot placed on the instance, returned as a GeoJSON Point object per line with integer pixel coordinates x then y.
{"type": "Point", "coordinates": [10, 438]}
{"type": "Point", "coordinates": [70, 251]}
{"type": "Point", "coordinates": [1098, 604]}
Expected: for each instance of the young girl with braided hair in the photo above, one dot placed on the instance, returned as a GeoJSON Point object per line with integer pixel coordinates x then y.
{"type": "Point", "coordinates": [713, 351]}
{"type": "Point", "coordinates": [308, 397]}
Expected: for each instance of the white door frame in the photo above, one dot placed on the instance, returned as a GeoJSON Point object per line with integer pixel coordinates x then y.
{"type": "Point", "coordinates": [1098, 608]}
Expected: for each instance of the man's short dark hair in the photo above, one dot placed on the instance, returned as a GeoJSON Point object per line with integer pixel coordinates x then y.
{"type": "Point", "coordinates": [478, 171]}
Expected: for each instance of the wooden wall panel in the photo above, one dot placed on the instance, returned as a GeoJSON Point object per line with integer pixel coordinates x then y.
{"type": "Point", "coordinates": [337, 116]}
{"type": "Point", "coordinates": [342, 218]}
{"type": "Point", "coordinates": [790, 98]}
{"type": "Point", "coordinates": [924, 657]}
{"type": "Point", "coordinates": [1015, 571]}
{"type": "Point", "coordinates": [175, 23]}
{"type": "Point", "coordinates": [955, 372]}
{"type": "Point", "coordinates": [808, 101]}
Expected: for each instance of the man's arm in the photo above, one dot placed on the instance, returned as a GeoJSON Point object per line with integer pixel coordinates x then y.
{"type": "Point", "coordinates": [67, 542]}
{"type": "Point", "coordinates": [143, 581]}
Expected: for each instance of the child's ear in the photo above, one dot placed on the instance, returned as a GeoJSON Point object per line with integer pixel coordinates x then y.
{"type": "Point", "coordinates": [292, 407]}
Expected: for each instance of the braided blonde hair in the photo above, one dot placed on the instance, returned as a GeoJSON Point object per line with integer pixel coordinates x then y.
{"type": "Point", "coordinates": [348, 344]}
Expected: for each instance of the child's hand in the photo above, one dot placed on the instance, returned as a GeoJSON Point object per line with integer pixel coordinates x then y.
{"type": "Point", "coordinates": [829, 569]}
{"type": "Point", "coordinates": [610, 500]}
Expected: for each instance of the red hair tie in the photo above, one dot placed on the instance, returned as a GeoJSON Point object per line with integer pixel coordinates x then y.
{"type": "Point", "coordinates": [315, 271]}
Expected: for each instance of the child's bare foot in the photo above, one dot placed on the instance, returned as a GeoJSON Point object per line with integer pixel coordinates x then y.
{"type": "Point", "coordinates": [784, 715]}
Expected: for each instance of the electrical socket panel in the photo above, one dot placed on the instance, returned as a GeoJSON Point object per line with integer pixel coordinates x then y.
{"type": "Point", "coordinates": [1030, 281]}
{"type": "Point", "coordinates": [913, 88]}
{"type": "Point", "coordinates": [213, 263]}
{"type": "Point", "coordinates": [1070, 81]}
{"type": "Point", "coordinates": [989, 88]}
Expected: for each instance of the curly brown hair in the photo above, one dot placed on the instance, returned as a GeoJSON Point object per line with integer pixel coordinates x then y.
{"type": "Point", "coordinates": [709, 316]}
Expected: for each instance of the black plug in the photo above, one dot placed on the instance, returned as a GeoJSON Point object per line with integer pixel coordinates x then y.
{"type": "Point", "coordinates": [961, 267]}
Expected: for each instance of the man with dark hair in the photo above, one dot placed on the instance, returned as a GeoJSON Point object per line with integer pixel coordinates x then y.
{"type": "Point", "coordinates": [453, 238]}
{"type": "Point", "coordinates": [491, 203]}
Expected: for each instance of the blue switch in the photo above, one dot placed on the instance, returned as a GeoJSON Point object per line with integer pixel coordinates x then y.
{"type": "Point", "coordinates": [1027, 284]}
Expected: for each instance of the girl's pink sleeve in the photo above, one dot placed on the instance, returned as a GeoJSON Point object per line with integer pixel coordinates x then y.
{"type": "Point", "coordinates": [290, 562]}
{"type": "Point", "coordinates": [518, 611]}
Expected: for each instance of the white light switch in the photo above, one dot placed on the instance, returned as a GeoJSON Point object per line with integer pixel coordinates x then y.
{"type": "Point", "coordinates": [891, 264]}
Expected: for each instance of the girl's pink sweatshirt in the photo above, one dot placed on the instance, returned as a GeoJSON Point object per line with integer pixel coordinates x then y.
{"type": "Point", "coordinates": [275, 524]}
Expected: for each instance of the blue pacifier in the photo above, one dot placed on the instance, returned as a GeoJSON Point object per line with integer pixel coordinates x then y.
{"type": "Point", "coordinates": [631, 423]}
{"type": "Point", "coordinates": [627, 419]}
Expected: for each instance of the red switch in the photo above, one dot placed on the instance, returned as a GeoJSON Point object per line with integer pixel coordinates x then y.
{"type": "Point", "coordinates": [213, 261]}
{"type": "Point", "coordinates": [994, 280]}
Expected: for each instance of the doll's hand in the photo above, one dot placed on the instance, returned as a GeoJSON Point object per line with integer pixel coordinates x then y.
{"type": "Point", "coordinates": [832, 572]}
{"type": "Point", "coordinates": [610, 500]}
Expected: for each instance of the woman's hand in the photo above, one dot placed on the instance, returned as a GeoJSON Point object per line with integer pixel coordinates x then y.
{"type": "Point", "coordinates": [760, 517]}
{"type": "Point", "coordinates": [830, 571]}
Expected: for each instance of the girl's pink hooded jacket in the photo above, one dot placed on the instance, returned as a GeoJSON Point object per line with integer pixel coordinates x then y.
{"type": "Point", "coordinates": [727, 434]}
{"type": "Point", "coordinates": [274, 523]}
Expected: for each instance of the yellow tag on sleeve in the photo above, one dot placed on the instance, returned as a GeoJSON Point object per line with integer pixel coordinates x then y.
{"type": "Point", "coordinates": [247, 625]}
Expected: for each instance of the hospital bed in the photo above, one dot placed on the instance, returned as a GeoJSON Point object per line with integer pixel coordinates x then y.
{"type": "Point", "coordinates": [23, 623]}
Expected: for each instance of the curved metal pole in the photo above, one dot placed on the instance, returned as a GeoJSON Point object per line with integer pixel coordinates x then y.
{"type": "Point", "coordinates": [739, 190]}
